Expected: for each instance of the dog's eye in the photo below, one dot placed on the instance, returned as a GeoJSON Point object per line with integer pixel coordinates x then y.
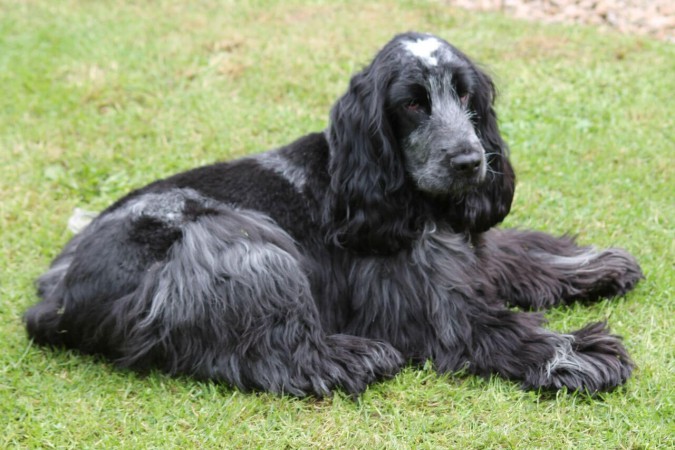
{"type": "Point", "coordinates": [413, 105]}
{"type": "Point", "coordinates": [464, 100]}
{"type": "Point", "coordinates": [417, 105]}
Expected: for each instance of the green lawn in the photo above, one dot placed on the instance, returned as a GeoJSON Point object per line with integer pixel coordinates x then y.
{"type": "Point", "coordinates": [98, 97]}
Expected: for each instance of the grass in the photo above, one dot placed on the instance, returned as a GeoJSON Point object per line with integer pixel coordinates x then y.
{"type": "Point", "coordinates": [100, 97]}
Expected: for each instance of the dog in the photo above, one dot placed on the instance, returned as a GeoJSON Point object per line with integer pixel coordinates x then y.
{"type": "Point", "coordinates": [336, 260]}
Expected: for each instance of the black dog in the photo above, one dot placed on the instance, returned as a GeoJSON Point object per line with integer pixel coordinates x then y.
{"type": "Point", "coordinates": [337, 259]}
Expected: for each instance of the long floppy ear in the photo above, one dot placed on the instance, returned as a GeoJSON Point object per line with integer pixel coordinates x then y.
{"type": "Point", "coordinates": [488, 204]}
{"type": "Point", "coordinates": [367, 208]}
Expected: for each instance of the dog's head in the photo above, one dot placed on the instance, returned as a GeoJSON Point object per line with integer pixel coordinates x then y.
{"type": "Point", "coordinates": [416, 134]}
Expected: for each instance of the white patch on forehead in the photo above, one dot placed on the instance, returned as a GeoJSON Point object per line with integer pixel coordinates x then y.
{"type": "Point", "coordinates": [423, 49]}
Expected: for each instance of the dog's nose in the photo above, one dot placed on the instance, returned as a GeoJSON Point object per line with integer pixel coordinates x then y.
{"type": "Point", "coordinates": [466, 163]}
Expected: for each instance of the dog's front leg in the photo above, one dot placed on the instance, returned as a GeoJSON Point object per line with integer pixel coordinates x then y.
{"type": "Point", "coordinates": [534, 270]}
{"type": "Point", "coordinates": [514, 345]}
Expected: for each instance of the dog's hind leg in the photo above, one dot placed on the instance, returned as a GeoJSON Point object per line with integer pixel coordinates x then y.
{"type": "Point", "coordinates": [175, 281]}
{"type": "Point", "coordinates": [534, 270]}
{"type": "Point", "coordinates": [514, 345]}
{"type": "Point", "coordinates": [231, 302]}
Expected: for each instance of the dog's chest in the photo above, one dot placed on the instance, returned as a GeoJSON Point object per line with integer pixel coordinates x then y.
{"type": "Point", "coordinates": [401, 298]}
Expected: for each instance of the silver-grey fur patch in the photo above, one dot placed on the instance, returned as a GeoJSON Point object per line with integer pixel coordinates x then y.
{"type": "Point", "coordinates": [576, 262]}
{"type": "Point", "coordinates": [565, 357]}
{"type": "Point", "coordinates": [166, 206]}
{"type": "Point", "coordinates": [277, 162]}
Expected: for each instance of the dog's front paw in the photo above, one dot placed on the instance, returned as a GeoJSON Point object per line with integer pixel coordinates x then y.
{"type": "Point", "coordinates": [618, 274]}
{"type": "Point", "coordinates": [359, 361]}
{"type": "Point", "coordinates": [588, 360]}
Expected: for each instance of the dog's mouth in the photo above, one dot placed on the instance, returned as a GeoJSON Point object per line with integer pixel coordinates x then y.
{"type": "Point", "coordinates": [450, 183]}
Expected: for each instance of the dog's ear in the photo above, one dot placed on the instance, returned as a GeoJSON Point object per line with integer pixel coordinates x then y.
{"type": "Point", "coordinates": [488, 204]}
{"type": "Point", "coordinates": [367, 208]}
